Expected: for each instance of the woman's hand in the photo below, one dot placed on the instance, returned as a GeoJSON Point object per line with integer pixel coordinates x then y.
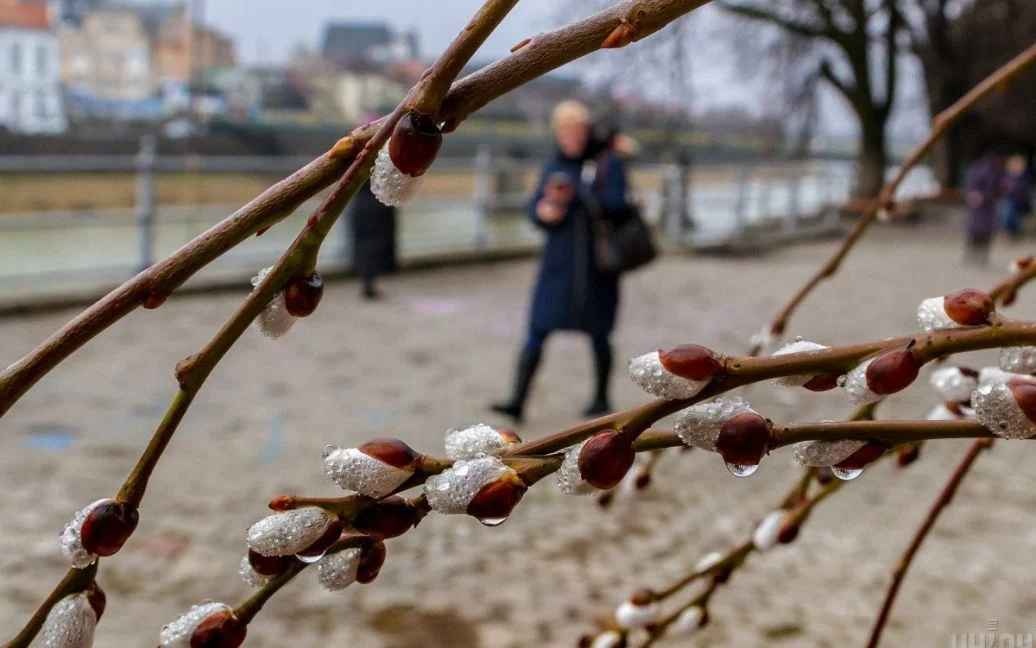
{"type": "Point", "coordinates": [549, 212]}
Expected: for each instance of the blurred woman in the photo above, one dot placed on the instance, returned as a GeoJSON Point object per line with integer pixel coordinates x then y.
{"type": "Point", "coordinates": [571, 293]}
{"type": "Point", "coordinates": [1017, 202]}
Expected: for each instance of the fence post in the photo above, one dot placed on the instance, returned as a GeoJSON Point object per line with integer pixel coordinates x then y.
{"type": "Point", "coordinates": [145, 201]}
{"type": "Point", "coordinates": [483, 196]}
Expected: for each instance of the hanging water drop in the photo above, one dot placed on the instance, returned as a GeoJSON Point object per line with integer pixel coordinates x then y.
{"type": "Point", "coordinates": [846, 474]}
{"type": "Point", "coordinates": [492, 522]}
{"type": "Point", "coordinates": [742, 470]}
{"type": "Point", "coordinates": [309, 560]}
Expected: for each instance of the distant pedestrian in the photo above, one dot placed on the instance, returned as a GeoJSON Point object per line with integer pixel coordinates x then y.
{"type": "Point", "coordinates": [982, 186]}
{"type": "Point", "coordinates": [373, 229]}
{"type": "Point", "coordinates": [571, 293]}
{"type": "Point", "coordinates": [1017, 201]}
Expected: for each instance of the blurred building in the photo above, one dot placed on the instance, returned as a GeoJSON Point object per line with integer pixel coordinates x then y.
{"type": "Point", "coordinates": [134, 61]}
{"type": "Point", "coordinates": [30, 84]}
{"type": "Point", "coordinates": [350, 43]}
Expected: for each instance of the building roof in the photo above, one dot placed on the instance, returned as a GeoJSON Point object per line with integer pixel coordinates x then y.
{"type": "Point", "coordinates": [24, 14]}
{"type": "Point", "coordinates": [352, 40]}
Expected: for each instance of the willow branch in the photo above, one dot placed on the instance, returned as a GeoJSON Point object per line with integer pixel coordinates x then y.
{"type": "Point", "coordinates": [944, 499]}
{"type": "Point", "coordinates": [741, 371]}
{"type": "Point", "coordinates": [543, 54]}
{"type": "Point", "coordinates": [75, 581]}
{"type": "Point", "coordinates": [940, 125]}
{"type": "Point", "coordinates": [1006, 291]}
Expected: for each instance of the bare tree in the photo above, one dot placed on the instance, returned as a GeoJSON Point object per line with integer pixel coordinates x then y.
{"type": "Point", "coordinates": [856, 55]}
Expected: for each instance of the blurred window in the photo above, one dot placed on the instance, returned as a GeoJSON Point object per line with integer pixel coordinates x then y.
{"type": "Point", "coordinates": [16, 58]}
{"type": "Point", "coordinates": [41, 60]}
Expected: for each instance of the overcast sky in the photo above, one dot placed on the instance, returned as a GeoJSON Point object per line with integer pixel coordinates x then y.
{"type": "Point", "coordinates": [267, 30]}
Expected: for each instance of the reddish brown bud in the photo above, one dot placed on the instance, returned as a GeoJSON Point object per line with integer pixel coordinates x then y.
{"type": "Point", "coordinates": [892, 371]}
{"type": "Point", "coordinates": [302, 294]}
{"type": "Point", "coordinates": [822, 382]}
{"type": "Point", "coordinates": [605, 459]}
{"type": "Point", "coordinates": [387, 518]}
{"type": "Point", "coordinates": [643, 480]}
{"type": "Point", "coordinates": [789, 531]}
{"type": "Point", "coordinates": [690, 361]}
{"type": "Point", "coordinates": [282, 503]}
{"type": "Point", "coordinates": [866, 455]}
{"type": "Point", "coordinates": [744, 439]}
{"type": "Point", "coordinates": [1024, 392]}
{"type": "Point", "coordinates": [268, 565]}
{"type": "Point", "coordinates": [497, 499]}
{"type": "Point", "coordinates": [968, 307]}
{"type": "Point", "coordinates": [97, 599]}
{"type": "Point", "coordinates": [621, 36]}
{"type": "Point", "coordinates": [324, 542]}
{"type": "Point", "coordinates": [414, 144]}
{"type": "Point", "coordinates": [391, 451]}
{"type": "Point", "coordinates": [908, 454]}
{"type": "Point", "coordinates": [108, 526]}
{"type": "Point", "coordinates": [508, 435]}
{"type": "Point", "coordinates": [372, 557]}
{"type": "Point", "coordinates": [154, 300]}
{"type": "Point", "coordinates": [219, 630]}
{"type": "Point", "coordinates": [643, 596]}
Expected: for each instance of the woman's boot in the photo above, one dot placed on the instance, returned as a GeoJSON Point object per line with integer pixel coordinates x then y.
{"type": "Point", "coordinates": [528, 361]}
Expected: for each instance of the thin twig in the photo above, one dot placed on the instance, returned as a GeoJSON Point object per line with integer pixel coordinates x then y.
{"type": "Point", "coordinates": [940, 124]}
{"type": "Point", "coordinates": [944, 499]}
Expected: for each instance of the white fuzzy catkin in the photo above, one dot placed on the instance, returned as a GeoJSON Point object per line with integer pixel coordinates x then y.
{"type": "Point", "coordinates": [797, 345]}
{"type": "Point", "coordinates": [931, 315]}
{"type": "Point", "coordinates": [72, 540]}
{"type": "Point", "coordinates": [289, 532]}
{"type": "Point", "coordinates": [274, 320]}
{"type": "Point", "coordinates": [765, 535]}
{"type": "Point", "coordinates": [1020, 359]}
{"type": "Point", "coordinates": [354, 470]}
{"type": "Point", "coordinates": [389, 185]}
{"type": "Point", "coordinates": [569, 478]}
{"type": "Point", "coordinates": [952, 384]}
{"type": "Point", "coordinates": [631, 616]}
{"type": "Point", "coordinates": [855, 385]}
{"type": "Point", "coordinates": [452, 490]}
{"type": "Point", "coordinates": [708, 561]}
{"type": "Point", "coordinates": [338, 570]}
{"type": "Point", "coordinates": [688, 622]}
{"type": "Point", "coordinates": [647, 371]}
{"type": "Point", "coordinates": [699, 425]}
{"type": "Point", "coordinates": [69, 624]}
{"type": "Point", "coordinates": [178, 633]}
{"type": "Point", "coordinates": [474, 441]}
{"type": "Point", "coordinates": [997, 409]}
{"type": "Point", "coordinates": [992, 375]}
{"type": "Point", "coordinates": [607, 639]}
{"type": "Point", "coordinates": [821, 454]}
{"type": "Point", "coordinates": [250, 575]}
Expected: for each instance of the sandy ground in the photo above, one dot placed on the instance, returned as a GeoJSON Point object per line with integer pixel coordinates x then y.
{"type": "Point", "coordinates": [430, 357]}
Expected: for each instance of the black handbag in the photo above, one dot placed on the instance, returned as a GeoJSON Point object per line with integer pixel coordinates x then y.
{"type": "Point", "coordinates": [622, 241]}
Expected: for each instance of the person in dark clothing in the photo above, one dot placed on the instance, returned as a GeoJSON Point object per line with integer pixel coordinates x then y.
{"type": "Point", "coordinates": [571, 293]}
{"type": "Point", "coordinates": [982, 184]}
{"type": "Point", "coordinates": [1017, 202]}
{"type": "Point", "coordinates": [372, 226]}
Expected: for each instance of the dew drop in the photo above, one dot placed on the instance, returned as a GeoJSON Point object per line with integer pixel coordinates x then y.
{"type": "Point", "coordinates": [742, 470]}
{"type": "Point", "coordinates": [309, 560]}
{"type": "Point", "coordinates": [846, 474]}
{"type": "Point", "coordinates": [492, 522]}
{"type": "Point", "coordinates": [443, 485]}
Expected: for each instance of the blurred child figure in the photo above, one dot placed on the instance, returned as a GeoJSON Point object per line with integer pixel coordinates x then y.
{"type": "Point", "coordinates": [1017, 202]}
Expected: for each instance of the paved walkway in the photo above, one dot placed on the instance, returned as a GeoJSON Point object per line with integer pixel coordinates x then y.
{"type": "Point", "coordinates": [428, 358]}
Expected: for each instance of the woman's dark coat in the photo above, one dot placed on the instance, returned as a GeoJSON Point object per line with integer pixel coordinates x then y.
{"type": "Point", "coordinates": [373, 227]}
{"type": "Point", "coordinates": [570, 292]}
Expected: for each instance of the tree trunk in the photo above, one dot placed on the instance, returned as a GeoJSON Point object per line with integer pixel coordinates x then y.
{"type": "Point", "coordinates": [871, 160]}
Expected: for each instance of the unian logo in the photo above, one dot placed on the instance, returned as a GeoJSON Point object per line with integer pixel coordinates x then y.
{"type": "Point", "coordinates": [993, 637]}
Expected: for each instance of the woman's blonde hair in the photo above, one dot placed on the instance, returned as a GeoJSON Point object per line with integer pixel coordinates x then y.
{"type": "Point", "coordinates": [570, 112]}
